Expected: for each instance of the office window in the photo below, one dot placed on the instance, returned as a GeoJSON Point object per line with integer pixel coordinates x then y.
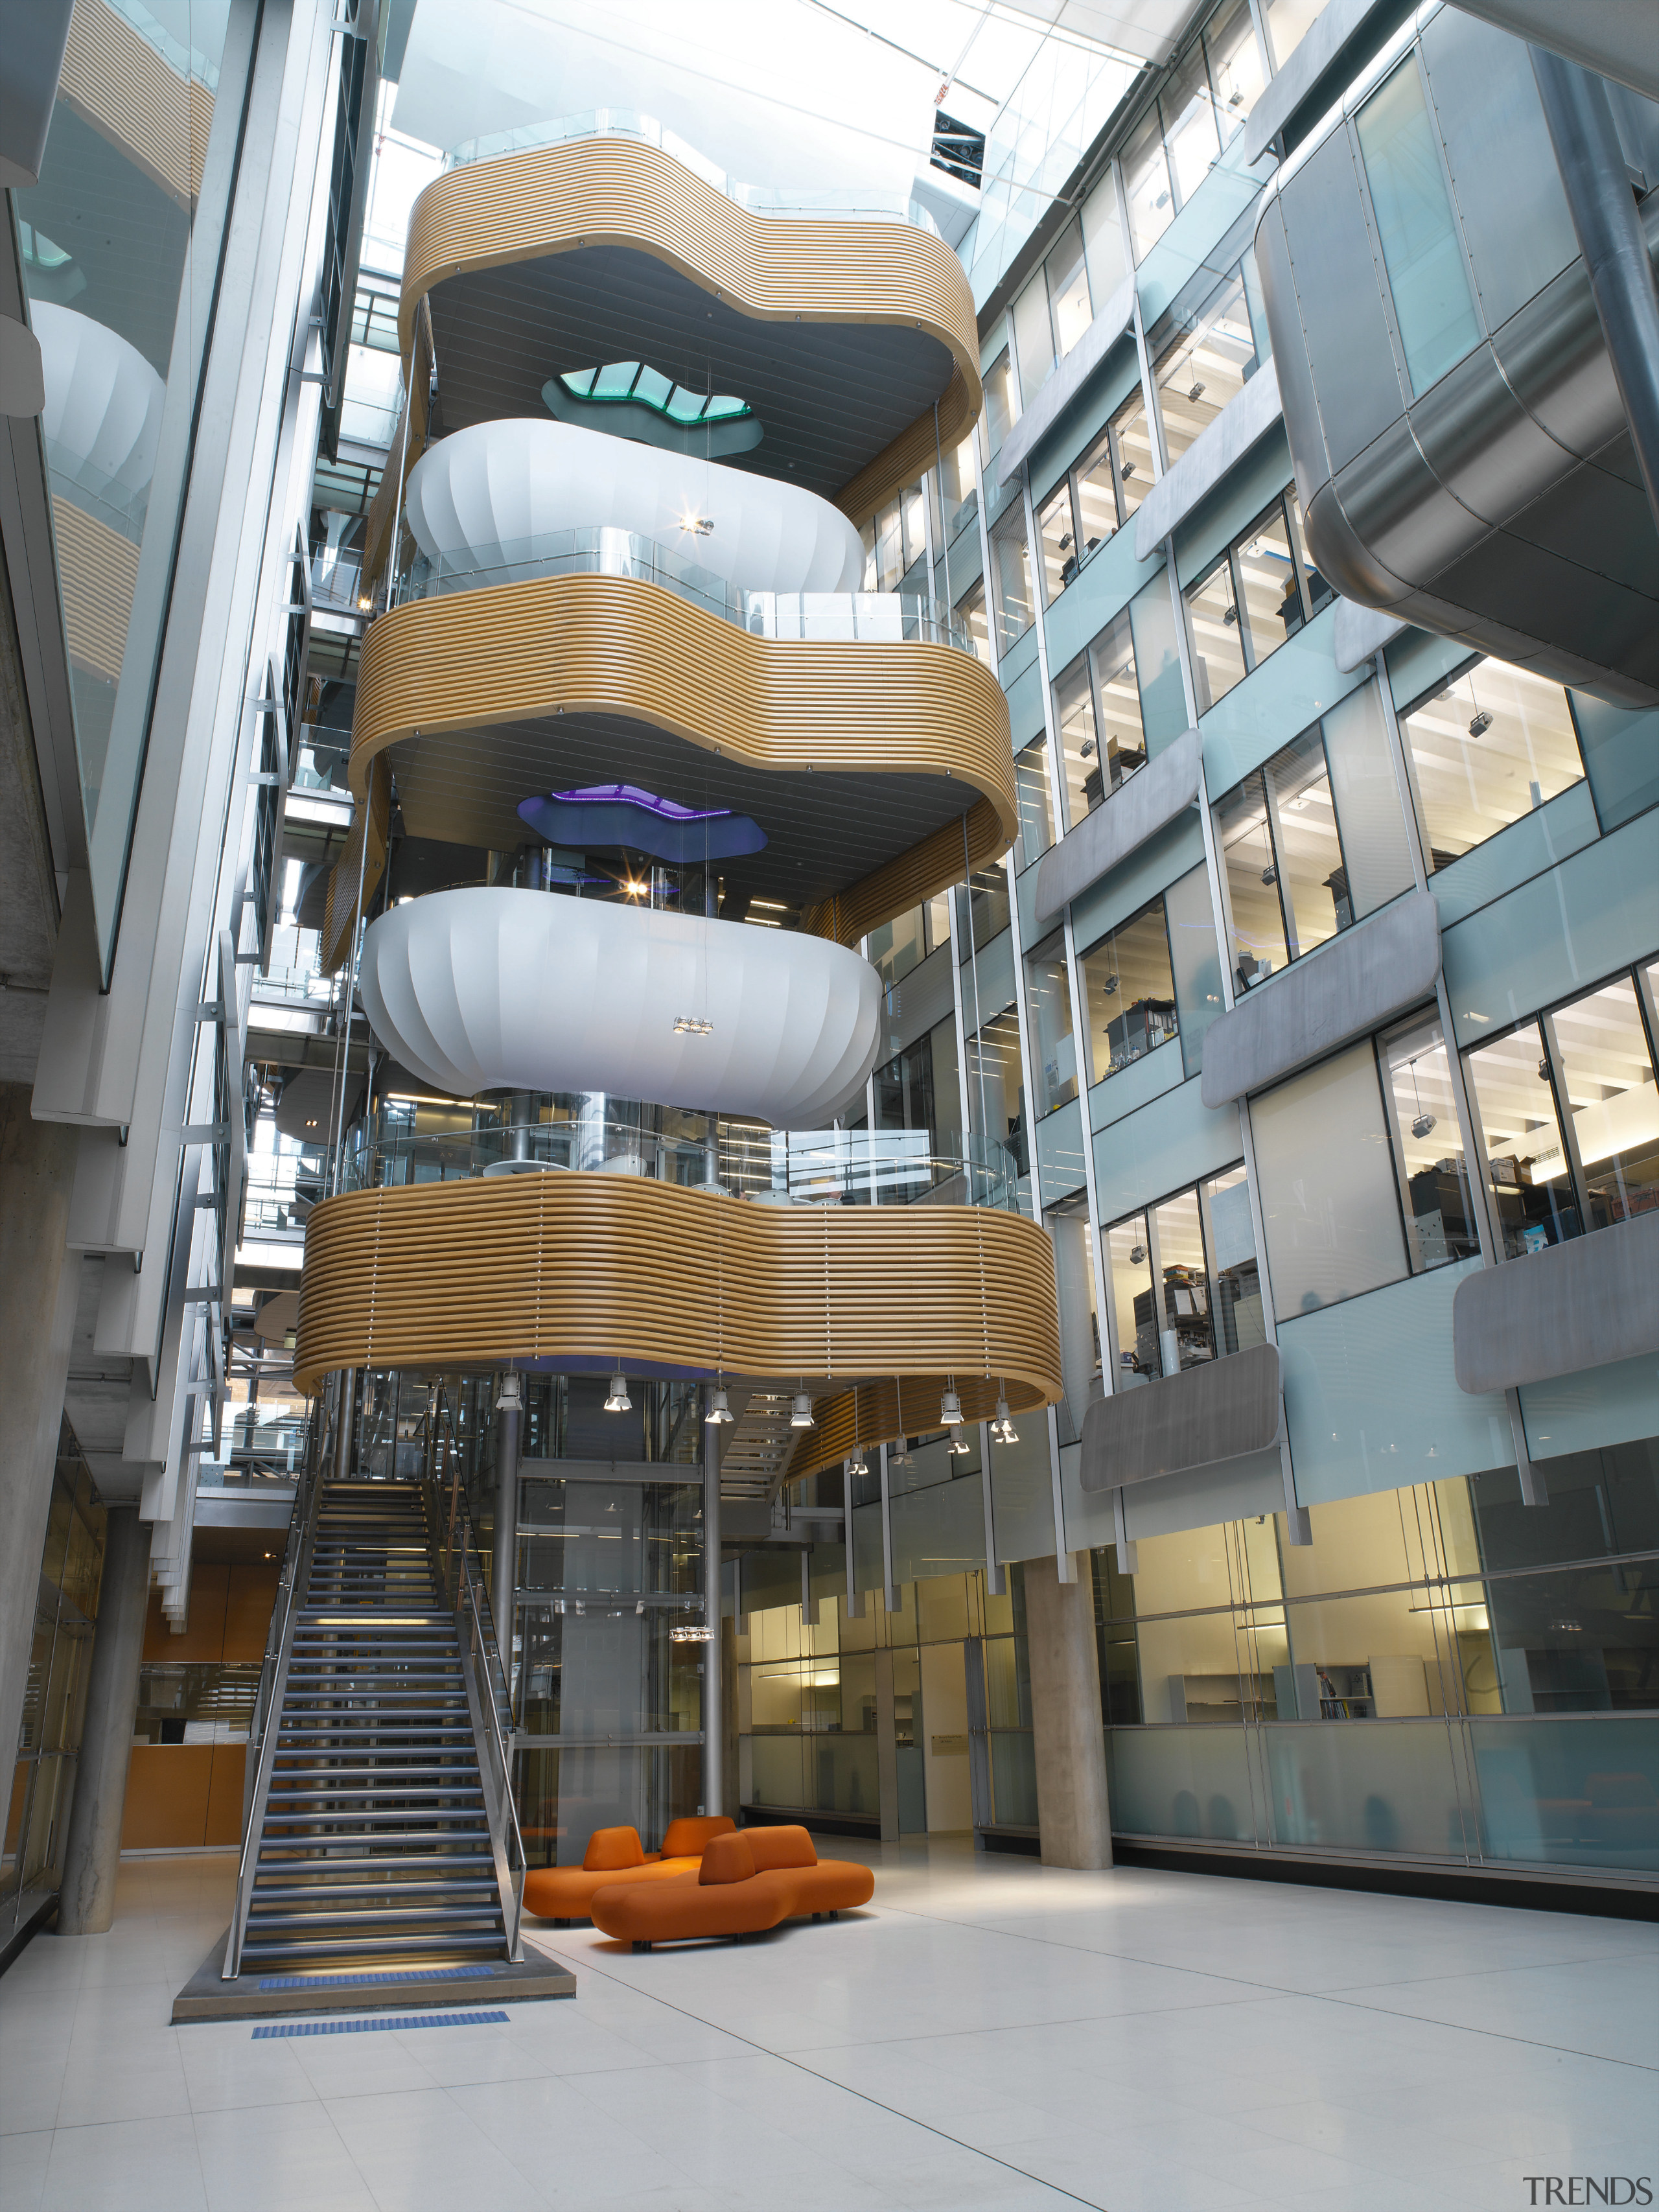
{"type": "Point", "coordinates": [1250, 599]}
{"type": "Point", "coordinates": [1129, 994]}
{"type": "Point", "coordinates": [1329, 1203]}
{"type": "Point", "coordinates": [1097, 709]}
{"type": "Point", "coordinates": [1207, 356]}
{"type": "Point", "coordinates": [1596, 1053]}
{"type": "Point", "coordinates": [1288, 23]}
{"type": "Point", "coordinates": [1001, 405]}
{"type": "Point", "coordinates": [1103, 241]}
{"type": "Point", "coordinates": [1283, 858]}
{"type": "Point", "coordinates": [1428, 1146]}
{"type": "Point", "coordinates": [1416, 229]}
{"type": "Point", "coordinates": [1313, 840]}
{"type": "Point", "coordinates": [1489, 744]}
{"type": "Point", "coordinates": [1011, 579]}
{"type": "Point", "coordinates": [1067, 274]}
{"type": "Point", "coordinates": [981, 915]}
{"type": "Point", "coordinates": [1199, 111]}
{"type": "Point", "coordinates": [995, 1106]}
{"type": "Point", "coordinates": [1037, 814]}
{"type": "Point", "coordinates": [971, 618]}
{"type": "Point", "coordinates": [1094, 502]}
{"type": "Point", "coordinates": [894, 538]}
{"type": "Point", "coordinates": [1048, 1000]}
{"type": "Point", "coordinates": [1198, 1248]}
{"type": "Point", "coordinates": [1034, 337]}
{"type": "Point", "coordinates": [900, 945]}
{"type": "Point", "coordinates": [961, 500]}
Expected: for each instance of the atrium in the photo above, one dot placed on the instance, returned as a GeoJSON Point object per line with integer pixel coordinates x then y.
{"type": "Point", "coordinates": [829, 1104]}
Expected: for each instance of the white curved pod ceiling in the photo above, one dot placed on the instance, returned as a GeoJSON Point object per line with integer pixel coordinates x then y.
{"type": "Point", "coordinates": [495, 990]}
{"type": "Point", "coordinates": [479, 496]}
{"type": "Point", "coordinates": [102, 420]}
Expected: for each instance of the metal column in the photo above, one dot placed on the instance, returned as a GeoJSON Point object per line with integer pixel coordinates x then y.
{"type": "Point", "coordinates": [1609, 233]}
{"type": "Point", "coordinates": [713, 1780]}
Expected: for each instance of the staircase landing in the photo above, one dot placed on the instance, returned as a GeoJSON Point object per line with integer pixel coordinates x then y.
{"type": "Point", "coordinates": [260, 1994]}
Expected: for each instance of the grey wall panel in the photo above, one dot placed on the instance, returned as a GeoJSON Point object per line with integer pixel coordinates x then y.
{"type": "Point", "coordinates": [1401, 512]}
{"type": "Point", "coordinates": [1136, 811]}
{"type": "Point", "coordinates": [1552, 355]}
{"type": "Point", "coordinates": [1220, 1410]}
{"type": "Point", "coordinates": [1580, 1304]}
{"type": "Point", "coordinates": [1204, 1497]}
{"type": "Point", "coordinates": [1504, 176]}
{"type": "Point", "coordinates": [1488, 452]}
{"type": "Point", "coordinates": [1296, 390]}
{"type": "Point", "coordinates": [1339, 304]}
{"type": "Point", "coordinates": [1344, 559]}
{"type": "Point", "coordinates": [1349, 986]}
{"type": "Point", "coordinates": [1614, 38]}
{"type": "Point", "coordinates": [32, 36]}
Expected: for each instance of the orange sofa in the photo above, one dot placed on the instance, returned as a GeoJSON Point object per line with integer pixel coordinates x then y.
{"type": "Point", "coordinates": [747, 1881]}
{"type": "Point", "coordinates": [615, 1856]}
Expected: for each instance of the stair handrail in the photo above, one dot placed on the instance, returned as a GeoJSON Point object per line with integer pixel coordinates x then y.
{"type": "Point", "coordinates": [273, 1684]}
{"type": "Point", "coordinates": [464, 1582]}
{"type": "Point", "coordinates": [297, 1520]}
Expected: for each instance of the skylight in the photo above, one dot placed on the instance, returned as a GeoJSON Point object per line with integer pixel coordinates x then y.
{"type": "Point", "coordinates": [643, 385]}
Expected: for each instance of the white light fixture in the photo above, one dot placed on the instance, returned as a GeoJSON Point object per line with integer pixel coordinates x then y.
{"type": "Point", "coordinates": [619, 1401]}
{"type": "Point", "coordinates": [800, 1411]}
{"type": "Point", "coordinates": [855, 1465]}
{"type": "Point", "coordinates": [1002, 1426]}
{"type": "Point", "coordinates": [949, 1411]}
{"type": "Point", "coordinates": [510, 1400]}
{"type": "Point", "coordinates": [692, 1025]}
{"type": "Point", "coordinates": [958, 1447]}
{"type": "Point", "coordinates": [718, 1415]}
{"type": "Point", "coordinates": [700, 1635]}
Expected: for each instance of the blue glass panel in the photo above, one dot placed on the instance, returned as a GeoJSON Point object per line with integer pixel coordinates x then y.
{"type": "Point", "coordinates": [1414, 221]}
{"type": "Point", "coordinates": [1620, 745]}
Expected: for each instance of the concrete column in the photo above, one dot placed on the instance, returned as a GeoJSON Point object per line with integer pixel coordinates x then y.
{"type": "Point", "coordinates": [93, 1853]}
{"type": "Point", "coordinates": [504, 1566]}
{"type": "Point", "coordinates": [1066, 1716]}
{"type": "Point", "coordinates": [39, 1284]}
{"type": "Point", "coordinates": [713, 1710]}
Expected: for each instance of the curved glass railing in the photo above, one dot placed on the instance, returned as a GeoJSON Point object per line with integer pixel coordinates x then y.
{"type": "Point", "coordinates": [856, 203]}
{"type": "Point", "coordinates": [772, 1167]}
{"type": "Point", "coordinates": [887, 617]}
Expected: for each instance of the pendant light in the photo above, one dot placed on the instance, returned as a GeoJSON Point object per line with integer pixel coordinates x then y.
{"type": "Point", "coordinates": [619, 1401]}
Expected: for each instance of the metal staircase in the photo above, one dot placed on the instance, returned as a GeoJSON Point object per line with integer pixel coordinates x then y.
{"type": "Point", "coordinates": [759, 1443]}
{"type": "Point", "coordinates": [380, 1826]}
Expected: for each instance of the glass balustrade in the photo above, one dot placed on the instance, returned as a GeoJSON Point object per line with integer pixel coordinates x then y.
{"type": "Point", "coordinates": [776, 1167]}
{"type": "Point", "coordinates": [887, 617]}
{"type": "Point", "coordinates": [856, 203]}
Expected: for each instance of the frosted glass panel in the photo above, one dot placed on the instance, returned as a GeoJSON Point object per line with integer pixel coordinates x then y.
{"type": "Point", "coordinates": [1414, 221]}
{"type": "Point", "coordinates": [1196, 962]}
{"type": "Point", "coordinates": [1328, 1188]}
{"type": "Point", "coordinates": [1376, 852]}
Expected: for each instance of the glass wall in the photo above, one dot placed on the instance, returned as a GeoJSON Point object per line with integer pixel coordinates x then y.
{"type": "Point", "coordinates": [1553, 1177]}
{"type": "Point", "coordinates": [1011, 579]}
{"type": "Point", "coordinates": [54, 1694]}
{"type": "Point", "coordinates": [1096, 498]}
{"type": "Point", "coordinates": [1250, 599]}
{"type": "Point", "coordinates": [1199, 111]}
{"type": "Point", "coordinates": [607, 1704]}
{"type": "Point", "coordinates": [1433, 304]}
{"type": "Point", "coordinates": [1185, 1284]}
{"type": "Point", "coordinates": [1313, 840]}
{"type": "Point", "coordinates": [1444, 1673]}
{"type": "Point", "coordinates": [1129, 986]}
{"type": "Point", "coordinates": [121, 240]}
{"type": "Point", "coordinates": [1485, 747]}
{"type": "Point", "coordinates": [1205, 357]}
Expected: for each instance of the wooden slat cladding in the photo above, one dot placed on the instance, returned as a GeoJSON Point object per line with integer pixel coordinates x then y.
{"type": "Point", "coordinates": [614, 645]}
{"type": "Point", "coordinates": [355, 877]}
{"type": "Point", "coordinates": [117, 82]}
{"type": "Point", "coordinates": [600, 1267]}
{"type": "Point", "coordinates": [100, 572]}
{"type": "Point", "coordinates": [619, 191]}
{"type": "Point", "coordinates": [870, 1414]}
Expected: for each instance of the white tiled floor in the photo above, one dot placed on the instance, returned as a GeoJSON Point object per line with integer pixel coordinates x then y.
{"type": "Point", "coordinates": [991, 2036]}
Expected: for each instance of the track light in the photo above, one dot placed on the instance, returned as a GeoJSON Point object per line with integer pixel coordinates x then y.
{"type": "Point", "coordinates": [619, 1401]}
{"type": "Point", "coordinates": [949, 1411]}
{"type": "Point", "coordinates": [800, 1411]}
{"type": "Point", "coordinates": [718, 1415]}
